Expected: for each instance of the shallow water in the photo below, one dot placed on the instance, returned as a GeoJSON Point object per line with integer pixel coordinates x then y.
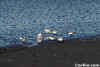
{"type": "Point", "coordinates": [29, 17]}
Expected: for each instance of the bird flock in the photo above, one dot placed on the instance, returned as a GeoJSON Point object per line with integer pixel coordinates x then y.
{"type": "Point", "coordinates": [40, 37]}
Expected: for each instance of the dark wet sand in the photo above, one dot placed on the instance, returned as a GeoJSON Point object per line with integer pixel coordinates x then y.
{"type": "Point", "coordinates": [52, 54]}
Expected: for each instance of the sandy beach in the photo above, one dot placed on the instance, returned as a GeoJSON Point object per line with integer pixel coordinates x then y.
{"type": "Point", "coordinates": [52, 54]}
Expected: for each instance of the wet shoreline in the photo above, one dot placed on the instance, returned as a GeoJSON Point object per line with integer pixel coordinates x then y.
{"type": "Point", "coordinates": [53, 53]}
{"type": "Point", "coordinates": [90, 42]}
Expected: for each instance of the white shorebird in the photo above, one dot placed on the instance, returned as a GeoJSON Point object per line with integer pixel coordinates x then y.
{"type": "Point", "coordinates": [50, 31]}
{"type": "Point", "coordinates": [50, 38]}
{"type": "Point", "coordinates": [60, 39]}
{"type": "Point", "coordinates": [22, 38]}
{"type": "Point", "coordinates": [39, 37]}
{"type": "Point", "coordinates": [47, 30]}
{"type": "Point", "coordinates": [70, 33]}
{"type": "Point", "coordinates": [54, 31]}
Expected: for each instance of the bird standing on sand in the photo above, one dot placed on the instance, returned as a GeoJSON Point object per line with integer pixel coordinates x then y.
{"type": "Point", "coordinates": [39, 37]}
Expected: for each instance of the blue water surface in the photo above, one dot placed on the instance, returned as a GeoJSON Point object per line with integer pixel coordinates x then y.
{"type": "Point", "coordinates": [29, 17]}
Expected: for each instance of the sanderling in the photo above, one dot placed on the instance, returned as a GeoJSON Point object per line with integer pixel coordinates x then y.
{"type": "Point", "coordinates": [22, 38]}
{"type": "Point", "coordinates": [47, 30]}
{"type": "Point", "coordinates": [54, 31]}
{"type": "Point", "coordinates": [39, 37]}
{"type": "Point", "coordinates": [60, 39]}
{"type": "Point", "coordinates": [70, 33]}
{"type": "Point", "coordinates": [50, 38]}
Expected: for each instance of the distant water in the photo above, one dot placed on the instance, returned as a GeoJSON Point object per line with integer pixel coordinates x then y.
{"type": "Point", "coordinates": [29, 17]}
